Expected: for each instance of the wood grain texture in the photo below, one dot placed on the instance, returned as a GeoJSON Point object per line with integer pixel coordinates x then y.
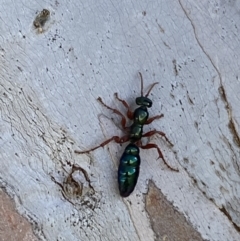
{"type": "Point", "coordinates": [50, 78]}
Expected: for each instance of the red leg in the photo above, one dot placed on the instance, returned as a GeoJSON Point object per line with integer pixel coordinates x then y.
{"type": "Point", "coordinates": [129, 112]}
{"type": "Point", "coordinates": [150, 120]}
{"type": "Point", "coordinates": [160, 155]}
{"type": "Point", "coordinates": [150, 133]}
{"type": "Point", "coordinates": [123, 121]}
{"type": "Point", "coordinates": [117, 139]}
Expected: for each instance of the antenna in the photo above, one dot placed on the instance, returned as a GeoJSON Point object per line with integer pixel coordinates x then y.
{"type": "Point", "coordinates": [141, 83]}
{"type": "Point", "coordinates": [142, 86]}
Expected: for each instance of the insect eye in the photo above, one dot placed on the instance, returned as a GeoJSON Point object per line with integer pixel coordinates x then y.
{"type": "Point", "coordinates": [144, 101]}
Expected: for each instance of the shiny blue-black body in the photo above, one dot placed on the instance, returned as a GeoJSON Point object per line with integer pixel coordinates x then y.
{"type": "Point", "coordinates": [128, 170]}
{"type": "Point", "coordinates": [129, 166]}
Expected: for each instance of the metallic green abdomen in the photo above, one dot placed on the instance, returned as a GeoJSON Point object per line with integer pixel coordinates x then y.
{"type": "Point", "coordinates": [128, 170]}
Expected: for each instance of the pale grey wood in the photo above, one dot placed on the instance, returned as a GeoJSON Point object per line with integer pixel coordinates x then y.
{"type": "Point", "coordinates": [49, 82]}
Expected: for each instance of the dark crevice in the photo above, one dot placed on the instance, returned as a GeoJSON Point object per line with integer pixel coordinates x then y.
{"type": "Point", "coordinates": [223, 210]}
{"type": "Point", "coordinates": [231, 125]}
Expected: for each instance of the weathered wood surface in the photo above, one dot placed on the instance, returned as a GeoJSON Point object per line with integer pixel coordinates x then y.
{"type": "Point", "coordinates": [49, 81]}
